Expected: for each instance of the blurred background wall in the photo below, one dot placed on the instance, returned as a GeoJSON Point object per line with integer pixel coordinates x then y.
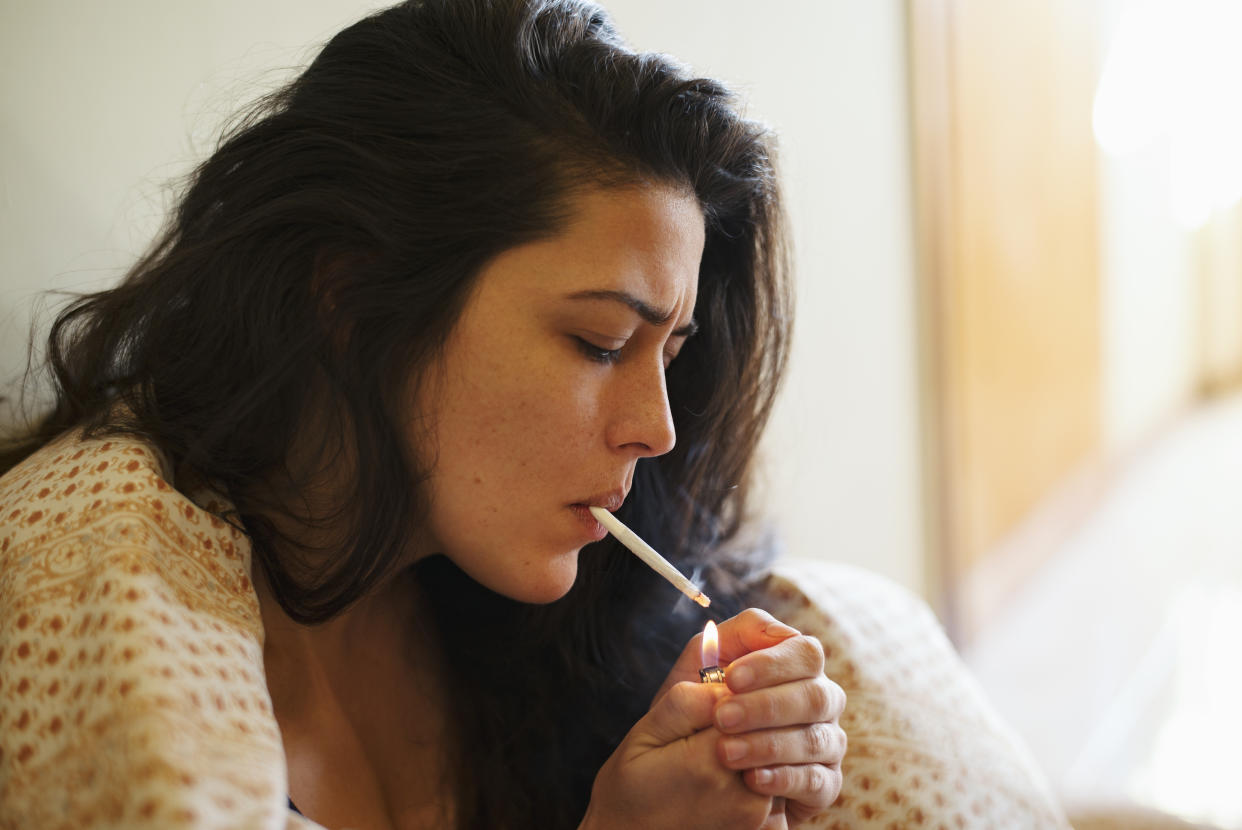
{"type": "Point", "coordinates": [1019, 262]}
{"type": "Point", "coordinates": [1077, 171]}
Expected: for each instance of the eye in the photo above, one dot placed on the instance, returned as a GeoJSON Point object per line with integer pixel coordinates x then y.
{"type": "Point", "coordinates": [670, 354]}
{"type": "Point", "coordinates": [597, 354]}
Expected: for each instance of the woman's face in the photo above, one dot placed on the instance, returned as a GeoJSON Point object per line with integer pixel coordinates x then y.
{"type": "Point", "coordinates": [551, 387]}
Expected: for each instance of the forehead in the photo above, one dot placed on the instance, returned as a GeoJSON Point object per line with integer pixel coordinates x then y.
{"type": "Point", "coordinates": [645, 239]}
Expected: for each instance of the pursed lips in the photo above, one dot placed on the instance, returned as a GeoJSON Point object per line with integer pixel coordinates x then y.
{"type": "Point", "coordinates": [610, 500]}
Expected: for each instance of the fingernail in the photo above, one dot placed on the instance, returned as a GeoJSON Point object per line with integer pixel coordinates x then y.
{"type": "Point", "coordinates": [779, 629]}
{"type": "Point", "coordinates": [735, 748]}
{"type": "Point", "coordinates": [763, 776]}
{"type": "Point", "coordinates": [729, 714]}
{"type": "Point", "coordinates": [739, 679]}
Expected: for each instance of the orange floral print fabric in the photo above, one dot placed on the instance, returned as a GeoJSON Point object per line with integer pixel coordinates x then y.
{"type": "Point", "coordinates": [132, 691]}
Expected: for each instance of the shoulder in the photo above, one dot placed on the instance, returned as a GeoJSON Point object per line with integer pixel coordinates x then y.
{"type": "Point", "coordinates": [74, 477]}
{"type": "Point", "coordinates": [82, 509]}
{"type": "Point", "coordinates": [131, 667]}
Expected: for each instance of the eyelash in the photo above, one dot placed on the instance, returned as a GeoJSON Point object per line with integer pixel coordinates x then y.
{"type": "Point", "coordinates": [595, 353]}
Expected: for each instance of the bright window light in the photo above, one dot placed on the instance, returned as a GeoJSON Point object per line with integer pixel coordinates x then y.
{"type": "Point", "coordinates": [1192, 770]}
{"type": "Point", "coordinates": [1173, 75]}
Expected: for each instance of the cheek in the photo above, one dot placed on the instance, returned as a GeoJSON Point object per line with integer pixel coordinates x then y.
{"type": "Point", "coordinates": [514, 424]}
{"type": "Point", "coordinates": [515, 447]}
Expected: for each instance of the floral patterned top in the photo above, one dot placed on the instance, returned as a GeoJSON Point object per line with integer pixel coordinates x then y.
{"type": "Point", "coordinates": [132, 691]}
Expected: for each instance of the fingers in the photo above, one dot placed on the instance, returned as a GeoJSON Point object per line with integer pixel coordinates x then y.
{"type": "Point", "coordinates": [817, 700]}
{"type": "Point", "coordinates": [807, 788]}
{"type": "Point", "coordinates": [822, 743]}
{"type": "Point", "coordinates": [794, 658]}
{"type": "Point", "coordinates": [752, 630]}
{"type": "Point", "coordinates": [683, 710]}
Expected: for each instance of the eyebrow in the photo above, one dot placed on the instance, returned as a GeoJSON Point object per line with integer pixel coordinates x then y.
{"type": "Point", "coordinates": [645, 310]}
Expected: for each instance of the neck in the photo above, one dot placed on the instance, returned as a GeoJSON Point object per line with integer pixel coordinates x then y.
{"type": "Point", "coordinates": [360, 710]}
{"type": "Point", "coordinates": [306, 663]}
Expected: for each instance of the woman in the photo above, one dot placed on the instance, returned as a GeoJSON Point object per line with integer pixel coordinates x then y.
{"type": "Point", "coordinates": [478, 268]}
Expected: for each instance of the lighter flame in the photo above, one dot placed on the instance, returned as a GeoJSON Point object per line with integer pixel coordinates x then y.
{"type": "Point", "coordinates": [709, 651]}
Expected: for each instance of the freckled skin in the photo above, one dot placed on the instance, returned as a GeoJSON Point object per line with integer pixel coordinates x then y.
{"type": "Point", "coordinates": [523, 422]}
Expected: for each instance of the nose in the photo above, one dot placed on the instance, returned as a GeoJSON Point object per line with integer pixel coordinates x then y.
{"type": "Point", "coordinates": [642, 422]}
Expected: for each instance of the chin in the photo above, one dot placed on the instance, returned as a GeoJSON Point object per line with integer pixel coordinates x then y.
{"type": "Point", "coordinates": [549, 583]}
{"type": "Point", "coordinates": [541, 585]}
{"type": "Point", "coordinates": [542, 597]}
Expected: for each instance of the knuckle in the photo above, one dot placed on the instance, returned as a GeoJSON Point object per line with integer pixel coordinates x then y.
{"type": "Point", "coordinates": [833, 781]}
{"type": "Point", "coordinates": [820, 786]}
{"type": "Point", "coordinates": [780, 780]}
{"type": "Point", "coordinates": [768, 708]}
{"type": "Point", "coordinates": [766, 747]}
{"type": "Point", "coordinates": [814, 649]}
{"type": "Point", "coordinates": [755, 615]}
{"type": "Point", "coordinates": [816, 779]}
{"type": "Point", "coordinates": [760, 663]}
{"type": "Point", "coordinates": [682, 697]}
{"type": "Point", "coordinates": [805, 654]}
{"type": "Point", "coordinates": [819, 741]}
{"type": "Point", "coordinates": [819, 698]}
{"type": "Point", "coordinates": [679, 692]}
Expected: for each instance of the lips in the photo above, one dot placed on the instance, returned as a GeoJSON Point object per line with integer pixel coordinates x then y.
{"type": "Point", "coordinates": [610, 500]}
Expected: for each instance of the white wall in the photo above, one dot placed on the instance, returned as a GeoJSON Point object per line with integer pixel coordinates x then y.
{"type": "Point", "coordinates": [105, 101]}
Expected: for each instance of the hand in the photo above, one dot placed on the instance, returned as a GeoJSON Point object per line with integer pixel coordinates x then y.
{"type": "Point", "coordinates": [667, 772]}
{"type": "Point", "coordinates": [779, 726]}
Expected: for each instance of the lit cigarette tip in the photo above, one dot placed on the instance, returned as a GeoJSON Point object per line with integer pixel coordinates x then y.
{"type": "Point", "coordinates": [649, 555]}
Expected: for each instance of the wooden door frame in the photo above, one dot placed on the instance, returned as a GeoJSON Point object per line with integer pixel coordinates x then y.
{"type": "Point", "coordinates": [929, 67]}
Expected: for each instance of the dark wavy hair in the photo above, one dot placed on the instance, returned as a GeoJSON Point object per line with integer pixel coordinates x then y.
{"type": "Point", "coordinates": [323, 253]}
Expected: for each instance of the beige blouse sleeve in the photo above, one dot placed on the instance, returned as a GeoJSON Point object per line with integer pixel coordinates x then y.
{"type": "Point", "coordinates": [131, 662]}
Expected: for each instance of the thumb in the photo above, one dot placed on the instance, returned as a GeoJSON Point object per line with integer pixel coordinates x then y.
{"type": "Point", "coordinates": [686, 708]}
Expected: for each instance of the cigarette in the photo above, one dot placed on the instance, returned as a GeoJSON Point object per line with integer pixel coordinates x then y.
{"type": "Point", "coordinates": [648, 554]}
